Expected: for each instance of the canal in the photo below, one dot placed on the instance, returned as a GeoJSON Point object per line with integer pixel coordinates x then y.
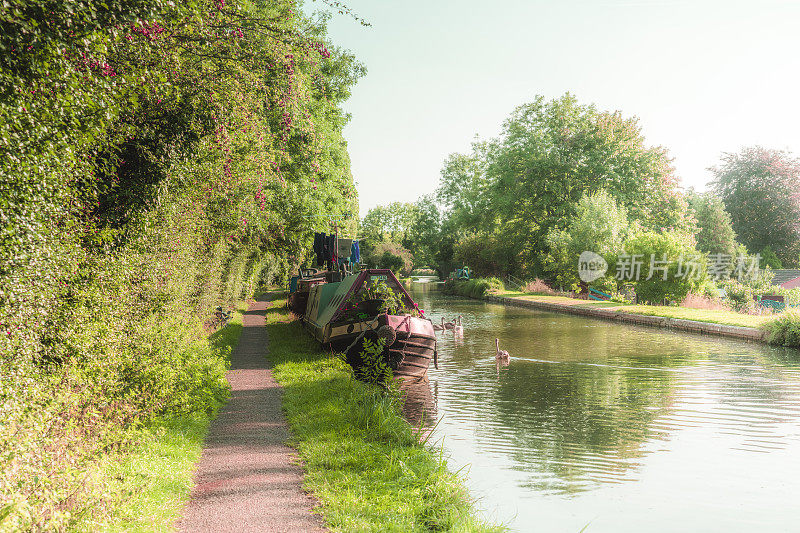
{"type": "Point", "coordinates": [615, 428]}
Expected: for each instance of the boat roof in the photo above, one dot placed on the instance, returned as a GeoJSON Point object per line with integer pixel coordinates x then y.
{"type": "Point", "coordinates": [352, 284]}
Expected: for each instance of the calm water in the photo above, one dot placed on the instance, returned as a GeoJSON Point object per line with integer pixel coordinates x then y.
{"type": "Point", "coordinates": [619, 427]}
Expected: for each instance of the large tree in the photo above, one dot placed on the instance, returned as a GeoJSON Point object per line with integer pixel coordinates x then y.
{"type": "Point", "coordinates": [761, 191]}
{"type": "Point", "coordinates": [528, 181]}
{"type": "Point", "coordinates": [389, 223]}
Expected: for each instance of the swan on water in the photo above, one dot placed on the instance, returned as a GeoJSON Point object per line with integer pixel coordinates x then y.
{"type": "Point", "coordinates": [502, 355]}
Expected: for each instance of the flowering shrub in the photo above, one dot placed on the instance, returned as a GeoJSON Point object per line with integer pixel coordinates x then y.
{"type": "Point", "coordinates": [157, 159]}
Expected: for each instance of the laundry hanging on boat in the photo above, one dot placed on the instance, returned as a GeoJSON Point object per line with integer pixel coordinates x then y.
{"type": "Point", "coordinates": [355, 253]}
{"type": "Point", "coordinates": [331, 249]}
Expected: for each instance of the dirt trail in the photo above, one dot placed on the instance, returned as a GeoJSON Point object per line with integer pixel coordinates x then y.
{"type": "Point", "coordinates": [246, 479]}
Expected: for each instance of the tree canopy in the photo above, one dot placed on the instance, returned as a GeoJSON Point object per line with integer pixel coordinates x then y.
{"type": "Point", "coordinates": [761, 191]}
{"type": "Point", "coordinates": [715, 233]}
{"type": "Point", "coordinates": [527, 182]}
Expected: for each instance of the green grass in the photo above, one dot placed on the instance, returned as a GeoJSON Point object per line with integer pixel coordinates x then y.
{"type": "Point", "coordinates": [784, 330]}
{"type": "Point", "coordinates": [153, 477]}
{"type": "Point", "coordinates": [729, 318]}
{"type": "Point", "coordinates": [363, 461]}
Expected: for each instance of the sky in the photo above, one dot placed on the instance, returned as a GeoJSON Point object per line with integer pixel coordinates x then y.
{"type": "Point", "coordinates": [704, 77]}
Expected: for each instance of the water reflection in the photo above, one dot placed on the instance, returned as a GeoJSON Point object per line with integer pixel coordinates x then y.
{"type": "Point", "coordinates": [419, 405]}
{"type": "Point", "coordinates": [593, 421]}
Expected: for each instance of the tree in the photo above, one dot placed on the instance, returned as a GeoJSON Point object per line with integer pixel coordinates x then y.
{"type": "Point", "coordinates": [665, 259]}
{"type": "Point", "coordinates": [527, 182]}
{"type": "Point", "coordinates": [761, 191]}
{"type": "Point", "coordinates": [390, 223]}
{"type": "Point", "coordinates": [465, 189]}
{"type": "Point", "coordinates": [599, 225]}
{"type": "Point", "coordinates": [715, 233]}
{"type": "Point", "coordinates": [425, 234]}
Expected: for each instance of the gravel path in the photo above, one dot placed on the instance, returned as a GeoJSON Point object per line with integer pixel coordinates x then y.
{"type": "Point", "coordinates": [247, 479]}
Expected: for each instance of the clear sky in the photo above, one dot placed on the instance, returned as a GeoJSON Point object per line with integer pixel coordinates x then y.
{"type": "Point", "coordinates": [703, 76]}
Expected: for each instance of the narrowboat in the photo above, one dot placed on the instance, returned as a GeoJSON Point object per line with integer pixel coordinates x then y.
{"type": "Point", "coordinates": [369, 305]}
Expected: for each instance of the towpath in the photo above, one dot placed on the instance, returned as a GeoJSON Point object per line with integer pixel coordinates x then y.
{"type": "Point", "coordinates": [247, 478]}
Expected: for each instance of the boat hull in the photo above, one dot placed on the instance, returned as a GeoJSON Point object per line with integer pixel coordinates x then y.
{"type": "Point", "coordinates": [411, 343]}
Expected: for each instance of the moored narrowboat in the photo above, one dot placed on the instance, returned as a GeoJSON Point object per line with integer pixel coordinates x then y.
{"type": "Point", "coordinates": [368, 306]}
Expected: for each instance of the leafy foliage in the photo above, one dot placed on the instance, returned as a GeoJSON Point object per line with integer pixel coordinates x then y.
{"type": "Point", "coordinates": [375, 368]}
{"type": "Point", "coordinates": [761, 191]}
{"type": "Point", "coordinates": [656, 286]}
{"type": "Point", "coordinates": [527, 183]}
{"type": "Point", "coordinates": [785, 329]}
{"type": "Point", "coordinates": [413, 226]}
{"type": "Point", "coordinates": [715, 233]}
{"type": "Point", "coordinates": [392, 256]}
{"type": "Point", "coordinates": [156, 160]}
{"type": "Point", "coordinates": [599, 225]}
{"type": "Point", "coordinates": [474, 288]}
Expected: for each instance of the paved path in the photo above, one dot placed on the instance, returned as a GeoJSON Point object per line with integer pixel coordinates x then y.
{"type": "Point", "coordinates": [246, 479]}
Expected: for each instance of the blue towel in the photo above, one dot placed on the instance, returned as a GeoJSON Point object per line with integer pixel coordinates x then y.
{"type": "Point", "coordinates": [355, 253]}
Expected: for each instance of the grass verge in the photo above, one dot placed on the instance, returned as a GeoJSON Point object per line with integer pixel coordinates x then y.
{"type": "Point", "coordinates": [362, 459]}
{"type": "Point", "coordinates": [729, 318]}
{"type": "Point", "coordinates": [785, 329]}
{"type": "Point", "coordinates": [154, 476]}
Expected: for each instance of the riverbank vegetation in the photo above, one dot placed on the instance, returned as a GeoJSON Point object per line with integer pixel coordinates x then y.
{"type": "Point", "coordinates": [363, 461]}
{"type": "Point", "coordinates": [157, 159]}
{"type": "Point", "coordinates": [785, 329]}
{"type": "Point", "coordinates": [565, 178]}
{"type": "Point", "coordinates": [781, 329]}
{"type": "Point", "coordinates": [473, 288]}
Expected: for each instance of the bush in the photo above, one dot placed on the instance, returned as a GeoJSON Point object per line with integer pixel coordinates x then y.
{"type": "Point", "coordinates": [740, 296]}
{"type": "Point", "coordinates": [538, 286]}
{"type": "Point", "coordinates": [392, 256]}
{"type": "Point", "coordinates": [142, 186]}
{"type": "Point", "coordinates": [672, 245]}
{"type": "Point", "coordinates": [484, 254]}
{"type": "Point", "coordinates": [785, 329]}
{"type": "Point", "coordinates": [474, 288]}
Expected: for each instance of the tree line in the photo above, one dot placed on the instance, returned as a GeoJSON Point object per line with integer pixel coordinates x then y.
{"type": "Point", "coordinates": [563, 177]}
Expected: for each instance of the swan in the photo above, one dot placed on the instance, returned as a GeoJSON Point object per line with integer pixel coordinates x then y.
{"type": "Point", "coordinates": [437, 327]}
{"type": "Point", "coordinates": [501, 355]}
{"type": "Point", "coordinates": [449, 325]}
{"type": "Point", "coordinates": [458, 329]}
